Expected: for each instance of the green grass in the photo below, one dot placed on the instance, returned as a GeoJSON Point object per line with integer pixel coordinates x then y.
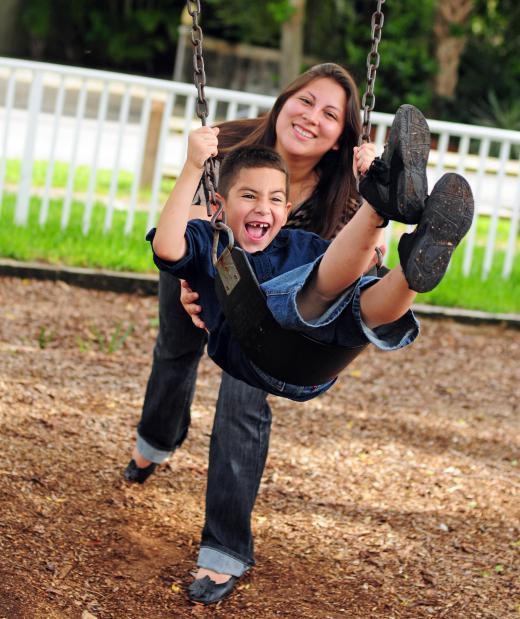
{"type": "Point", "coordinates": [112, 250]}
{"type": "Point", "coordinates": [81, 179]}
{"type": "Point", "coordinates": [494, 294]}
{"type": "Point", "coordinates": [115, 251]}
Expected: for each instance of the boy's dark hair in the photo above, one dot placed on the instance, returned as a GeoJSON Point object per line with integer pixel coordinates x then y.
{"type": "Point", "coordinates": [256, 156]}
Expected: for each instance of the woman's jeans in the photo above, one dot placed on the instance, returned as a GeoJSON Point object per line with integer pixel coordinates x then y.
{"type": "Point", "coordinates": [239, 440]}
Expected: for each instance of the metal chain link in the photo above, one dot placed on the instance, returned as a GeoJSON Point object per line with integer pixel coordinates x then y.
{"type": "Point", "coordinates": [369, 100]}
{"type": "Point", "coordinates": [218, 218]}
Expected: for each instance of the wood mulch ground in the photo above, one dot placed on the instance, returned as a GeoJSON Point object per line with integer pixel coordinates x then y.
{"type": "Point", "coordinates": [397, 494]}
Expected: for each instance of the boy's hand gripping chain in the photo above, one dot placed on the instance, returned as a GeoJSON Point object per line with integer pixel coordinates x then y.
{"type": "Point", "coordinates": [218, 218]}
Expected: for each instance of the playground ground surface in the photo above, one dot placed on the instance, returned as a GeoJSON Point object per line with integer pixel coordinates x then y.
{"type": "Point", "coordinates": [397, 494]}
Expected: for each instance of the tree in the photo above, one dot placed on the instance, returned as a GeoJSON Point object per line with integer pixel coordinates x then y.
{"type": "Point", "coordinates": [292, 43]}
{"type": "Point", "coordinates": [9, 14]}
{"type": "Point", "coordinates": [488, 89]}
{"type": "Point", "coordinates": [451, 29]}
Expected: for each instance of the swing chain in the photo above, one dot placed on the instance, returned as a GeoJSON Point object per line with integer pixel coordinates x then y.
{"type": "Point", "coordinates": [368, 101]}
{"type": "Point", "coordinates": [218, 218]}
{"type": "Point", "coordinates": [193, 7]}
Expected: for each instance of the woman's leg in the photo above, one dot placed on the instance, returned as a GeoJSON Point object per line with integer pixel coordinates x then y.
{"type": "Point", "coordinates": [238, 451]}
{"type": "Point", "coordinates": [165, 417]}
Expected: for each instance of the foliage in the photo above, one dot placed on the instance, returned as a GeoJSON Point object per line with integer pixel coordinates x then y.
{"type": "Point", "coordinates": [259, 24]}
{"type": "Point", "coordinates": [494, 112]}
{"type": "Point", "coordinates": [139, 36]}
{"type": "Point", "coordinates": [343, 29]}
{"type": "Point", "coordinates": [405, 49]}
{"type": "Point", "coordinates": [129, 35]}
{"type": "Point", "coordinates": [491, 56]}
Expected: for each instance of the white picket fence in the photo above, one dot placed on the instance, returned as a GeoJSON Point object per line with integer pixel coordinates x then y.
{"type": "Point", "coordinates": [102, 119]}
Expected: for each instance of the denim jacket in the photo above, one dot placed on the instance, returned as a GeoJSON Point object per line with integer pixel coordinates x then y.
{"type": "Point", "coordinates": [289, 249]}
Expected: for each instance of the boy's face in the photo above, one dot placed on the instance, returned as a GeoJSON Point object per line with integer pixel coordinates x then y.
{"type": "Point", "coordinates": [256, 207]}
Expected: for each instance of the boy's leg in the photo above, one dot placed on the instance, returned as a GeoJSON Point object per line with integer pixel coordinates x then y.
{"type": "Point", "coordinates": [424, 253]}
{"type": "Point", "coordinates": [345, 260]}
{"type": "Point", "coordinates": [395, 188]}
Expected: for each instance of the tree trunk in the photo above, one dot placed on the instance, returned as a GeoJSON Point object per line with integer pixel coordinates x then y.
{"type": "Point", "coordinates": [449, 45]}
{"type": "Point", "coordinates": [10, 43]}
{"type": "Point", "coordinates": [292, 44]}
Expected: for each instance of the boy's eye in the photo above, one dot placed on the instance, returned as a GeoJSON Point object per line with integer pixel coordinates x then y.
{"type": "Point", "coordinates": [249, 196]}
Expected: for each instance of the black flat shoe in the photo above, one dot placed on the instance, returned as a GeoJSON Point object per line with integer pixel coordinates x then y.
{"type": "Point", "coordinates": [207, 591]}
{"type": "Point", "coordinates": [134, 474]}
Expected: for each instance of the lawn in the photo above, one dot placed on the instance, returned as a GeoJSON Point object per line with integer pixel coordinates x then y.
{"type": "Point", "coordinates": [119, 252]}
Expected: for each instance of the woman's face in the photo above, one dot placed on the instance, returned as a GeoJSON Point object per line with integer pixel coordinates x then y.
{"type": "Point", "coordinates": [311, 121]}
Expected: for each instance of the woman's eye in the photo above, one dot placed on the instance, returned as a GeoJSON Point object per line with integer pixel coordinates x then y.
{"type": "Point", "coordinates": [331, 115]}
{"type": "Point", "coordinates": [305, 100]}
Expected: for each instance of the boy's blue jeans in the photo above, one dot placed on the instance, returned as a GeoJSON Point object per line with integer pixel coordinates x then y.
{"type": "Point", "coordinates": [341, 324]}
{"type": "Point", "coordinates": [239, 440]}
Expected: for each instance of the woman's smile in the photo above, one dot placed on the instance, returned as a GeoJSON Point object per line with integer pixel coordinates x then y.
{"type": "Point", "coordinates": [302, 132]}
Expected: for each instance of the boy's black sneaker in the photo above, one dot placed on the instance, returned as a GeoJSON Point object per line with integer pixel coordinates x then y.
{"type": "Point", "coordinates": [395, 184]}
{"type": "Point", "coordinates": [426, 252]}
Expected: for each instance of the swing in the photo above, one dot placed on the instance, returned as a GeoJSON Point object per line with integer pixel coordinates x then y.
{"type": "Point", "coordinates": [289, 356]}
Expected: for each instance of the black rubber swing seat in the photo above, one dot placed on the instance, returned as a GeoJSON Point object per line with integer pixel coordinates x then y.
{"type": "Point", "coordinates": [287, 355]}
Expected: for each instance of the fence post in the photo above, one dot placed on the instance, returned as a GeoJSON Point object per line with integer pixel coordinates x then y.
{"type": "Point", "coordinates": [24, 191]}
{"type": "Point", "coordinates": [152, 144]}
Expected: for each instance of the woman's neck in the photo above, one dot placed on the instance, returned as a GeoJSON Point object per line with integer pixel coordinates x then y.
{"type": "Point", "coordinates": [303, 180]}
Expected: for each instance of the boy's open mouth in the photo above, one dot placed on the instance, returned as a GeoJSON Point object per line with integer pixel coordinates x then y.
{"type": "Point", "coordinates": [257, 229]}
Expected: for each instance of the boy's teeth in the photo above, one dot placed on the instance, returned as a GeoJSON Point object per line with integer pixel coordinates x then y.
{"type": "Point", "coordinates": [259, 229]}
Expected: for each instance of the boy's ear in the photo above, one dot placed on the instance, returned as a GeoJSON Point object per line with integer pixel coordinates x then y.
{"type": "Point", "coordinates": [288, 207]}
{"type": "Point", "coordinates": [221, 198]}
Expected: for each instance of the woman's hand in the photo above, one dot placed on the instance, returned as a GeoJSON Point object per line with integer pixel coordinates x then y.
{"type": "Point", "coordinates": [188, 298]}
{"type": "Point", "coordinates": [363, 157]}
{"type": "Point", "coordinates": [202, 144]}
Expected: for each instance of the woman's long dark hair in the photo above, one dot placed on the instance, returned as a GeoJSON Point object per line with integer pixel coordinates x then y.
{"type": "Point", "coordinates": [335, 193]}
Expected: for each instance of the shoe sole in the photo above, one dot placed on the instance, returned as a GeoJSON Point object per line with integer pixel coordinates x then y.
{"type": "Point", "coordinates": [410, 140]}
{"type": "Point", "coordinates": [446, 219]}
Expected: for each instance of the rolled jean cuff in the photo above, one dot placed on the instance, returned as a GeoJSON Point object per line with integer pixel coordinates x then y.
{"type": "Point", "coordinates": [282, 292]}
{"type": "Point", "coordinates": [391, 336]}
{"type": "Point", "coordinates": [220, 562]}
{"type": "Point", "coordinates": [151, 453]}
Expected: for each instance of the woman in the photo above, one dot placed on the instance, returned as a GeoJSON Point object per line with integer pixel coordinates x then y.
{"type": "Point", "coordinates": [314, 124]}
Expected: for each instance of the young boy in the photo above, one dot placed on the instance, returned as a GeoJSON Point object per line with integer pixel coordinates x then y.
{"type": "Point", "coordinates": [312, 285]}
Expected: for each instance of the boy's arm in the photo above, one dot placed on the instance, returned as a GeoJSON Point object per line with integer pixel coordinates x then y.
{"type": "Point", "coordinates": [169, 242]}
